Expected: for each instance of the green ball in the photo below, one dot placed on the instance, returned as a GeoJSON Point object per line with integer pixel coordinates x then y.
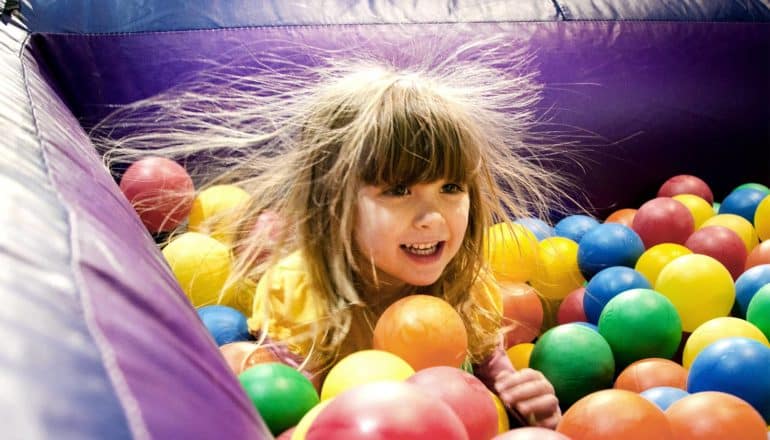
{"type": "Point", "coordinates": [575, 359]}
{"type": "Point", "coordinates": [281, 394]}
{"type": "Point", "coordinates": [758, 312]}
{"type": "Point", "coordinates": [753, 185]}
{"type": "Point", "coordinates": [640, 324]}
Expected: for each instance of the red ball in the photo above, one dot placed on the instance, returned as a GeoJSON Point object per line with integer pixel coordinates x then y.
{"type": "Point", "coordinates": [531, 433]}
{"type": "Point", "coordinates": [759, 255]}
{"type": "Point", "coordinates": [160, 191]}
{"type": "Point", "coordinates": [571, 307]}
{"type": "Point", "coordinates": [522, 313]}
{"type": "Point", "coordinates": [686, 184]}
{"type": "Point", "coordinates": [663, 220]}
{"type": "Point", "coordinates": [465, 394]}
{"type": "Point", "coordinates": [722, 244]}
{"type": "Point", "coordinates": [386, 410]}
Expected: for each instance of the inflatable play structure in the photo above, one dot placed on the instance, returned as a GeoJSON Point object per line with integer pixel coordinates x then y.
{"type": "Point", "coordinates": [98, 340]}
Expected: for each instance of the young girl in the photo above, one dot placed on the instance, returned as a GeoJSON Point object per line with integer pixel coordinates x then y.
{"type": "Point", "coordinates": [386, 178]}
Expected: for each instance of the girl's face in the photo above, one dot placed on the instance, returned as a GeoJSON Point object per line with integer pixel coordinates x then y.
{"type": "Point", "coordinates": [411, 233]}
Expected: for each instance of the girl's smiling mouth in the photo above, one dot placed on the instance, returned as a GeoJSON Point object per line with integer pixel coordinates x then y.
{"type": "Point", "coordinates": [422, 250]}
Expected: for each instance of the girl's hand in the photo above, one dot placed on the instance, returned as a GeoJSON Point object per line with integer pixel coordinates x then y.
{"type": "Point", "coordinates": [531, 394]}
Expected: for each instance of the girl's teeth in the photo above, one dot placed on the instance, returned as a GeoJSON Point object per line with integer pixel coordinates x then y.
{"type": "Point", "coordinates": [421, 249]}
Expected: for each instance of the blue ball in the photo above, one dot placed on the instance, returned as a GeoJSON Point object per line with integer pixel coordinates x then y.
{"type": "Point", "coordinates": [663, 397]}
{"type": "Point", "coordinates": [608, 284]}
{"type": "Point", "coordinates": [593, 327]}
{"type": "Point", "coordinates": [574, 226]}
{"type": "Point", "coordinates": [541, 229]}
{"type": "Point", "coordinates": [737, 366]}
{"type": "Point", "coordinates": [225, 324]}
{"type": "Point", "coordinates": [742, 202]}
{"type": "Point", "coordinates": [607, 245]}
{"type": "Point", "coordinates": [748, 284]}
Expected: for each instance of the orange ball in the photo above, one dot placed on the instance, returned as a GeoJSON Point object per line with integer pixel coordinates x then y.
{"type": "Point", "coordinates": [243, 354]}
{"type": "Point", "coordinates": [522, 313]}
{"type": "Point", "coordinates": [650, 373]}
{"type": "Point", "coordinates": [423, 330]}
{"type": "Point", "coordinates": [712, 415]}
{"type": "Point", "coordinates": [623, 216]}
{"type": "Point", "coordinates": [759, 255]}
{"type": "Point", "coordinates": [613, 415]}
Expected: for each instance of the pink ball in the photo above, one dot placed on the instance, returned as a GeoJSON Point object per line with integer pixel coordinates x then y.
{"type": "Point", "coordinates": [465, 394]}
{"type": "Point", "coordinates": [663, 220]}
{"type": "Point", "coordinates": [386, 410]}
{"type": "Point", "coordinates": [531, 433]}
{"type": "Point", "coordinates": [686, 184]}
{"type": "Point", "coordinates": [571, 307]}
{"type": "Point", "coordinates": [160, 191]}
{"type": "Point", "coordinates": [722, 244]}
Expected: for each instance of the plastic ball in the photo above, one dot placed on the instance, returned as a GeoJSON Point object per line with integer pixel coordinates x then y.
{"type": "Point", "coordinates": [663, 397]}
{"type": "Point", "coordinates": [512, 251]}
{"type": "Point", "coordinates": [713, 415]}
{"type": "Point", "coordinates": [615, 414]}
{"type": "Point", "coordinates": [759, 255]}
{"type": "Point", "coordinates": [502, 414]}
{"type": "Point", "coordinates": [571, 308]}
{"type": "Point", "coordinates": [575, 359]}
{"type": "Point", "coordinates": [686, 184]}
{"type": "Point", "coordinates": [520, 354]}
{"type": "Point", "coordinates": [654, 259]}
{"type": "Point", "coordinates": [722, 244]}
{"type": "Point", "coordinates": [225, 324]}
{"type": "Point", "coordinates": [742, 202]}
{"type": "Point", "coordinates": [650, 373]}
{"type": "Point", "coordinates": [753, 185]}
{"type": "Point", "coordinates": [574, 226]}
{"type": "Point", "coordinates": [423, 330]}
{"type": "Point", "coordinates": [623, 216]}
{"type": "Point", "coordinates": [700, 209]}
{"type": "Point", "coordinates": [465, 394]}
{"type": "Point", "coordinates": [541, 229]}
{"type": "Point", "coordinates": [702, 274]}
{"type": "Point", "coordinates": [663, 220]}
{"type": "Point", "coordinates": [640, 324]}
{"type": "Point", "coordinates": [747, 285]}
{"type": "Point", "coordinates": [606, 285]}
{"type": "Point", "coordinates": [216, 211]}
{"type": "Point", "coordinates": [300, 431]}
{"type": "Point", "coordinates": [242, 355]}
{"type": "Point", "coordinates": [202, 265]}
{"type": "Point", "coordinates": [762, 219]}
{"type": "Point", "coordinates": [531, 433]}
{"type": "Point", "coordinates": [608, 245]}
{"type": "Point", "coordinates": [556, 271]}
{"type": "Point", "coordinates": [363, 367]}
{"type": "Point", "coordinates": [758, 312]}
{"type": "Point", "coordinates": [715, 329]}
{"type": "Point", "coordinates": [161, 192]}
{"type": "Point", "coordinates": [281, 394]}
{"type": "Point", "coordinates": [522, 312]}
{"type": "Point", "coordinates": [737, 224]}
{"type": "Point", "coordinates": [386, 410]}
{"type": "Point", "coordinates": [737, 366]}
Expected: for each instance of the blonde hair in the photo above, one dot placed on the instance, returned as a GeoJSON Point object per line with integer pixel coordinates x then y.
{"type": "Point", "coordinates": [302, 144]}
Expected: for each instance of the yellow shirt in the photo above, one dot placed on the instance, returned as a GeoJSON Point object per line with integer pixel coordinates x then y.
{"type": "Point", "coordinates": [286, 299]}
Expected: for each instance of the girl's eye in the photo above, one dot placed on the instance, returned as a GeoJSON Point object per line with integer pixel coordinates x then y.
{"type": "Point", "coordinates": [397, 190]}
{"type": "Point", "coordinates": [451, 188]}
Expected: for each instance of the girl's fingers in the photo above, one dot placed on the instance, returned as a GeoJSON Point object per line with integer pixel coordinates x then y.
{"type": "Point", "coordinates": [540, 408]}
{"type": "Point", "coordinates": [550, 422]}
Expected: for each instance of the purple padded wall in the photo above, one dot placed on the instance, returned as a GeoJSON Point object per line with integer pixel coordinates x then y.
{"type": "Point", "coordinates": [98, 341]}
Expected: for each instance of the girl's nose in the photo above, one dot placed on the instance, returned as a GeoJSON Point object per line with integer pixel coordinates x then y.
{"type": "Point", "coordinates": [428, 216]}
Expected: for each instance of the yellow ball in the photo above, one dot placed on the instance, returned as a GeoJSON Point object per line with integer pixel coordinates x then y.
{"type": "Point", "coordinates": [511, 249]}
{"type": "Point", "coordinates": [519, 355]}
{"type": "Point", "coordinates": [216, 210]}
{"type": "Point", "coordinates": [762, 219]}
{"type": "Point", "coordinates": [715, 329]}
{"type": "Point", "coordinates": [700, 209]}
{"type": "Point", "coordinates": [502, 414]}
{"type": "Point", "coordinates": [737, 224]}
{"type": "Point", "coordinates": [364, 367]}
{"type": "Point", "coordinates": [300, 431]}
{"type": "Point", "coordinates": [654, 259]}
{"type": "Point", "coordinates": [201, 264]}
{"type": "Point", "coordinates": [700, 288]}
{"type": "Point", "coordinates": [556, 271]}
